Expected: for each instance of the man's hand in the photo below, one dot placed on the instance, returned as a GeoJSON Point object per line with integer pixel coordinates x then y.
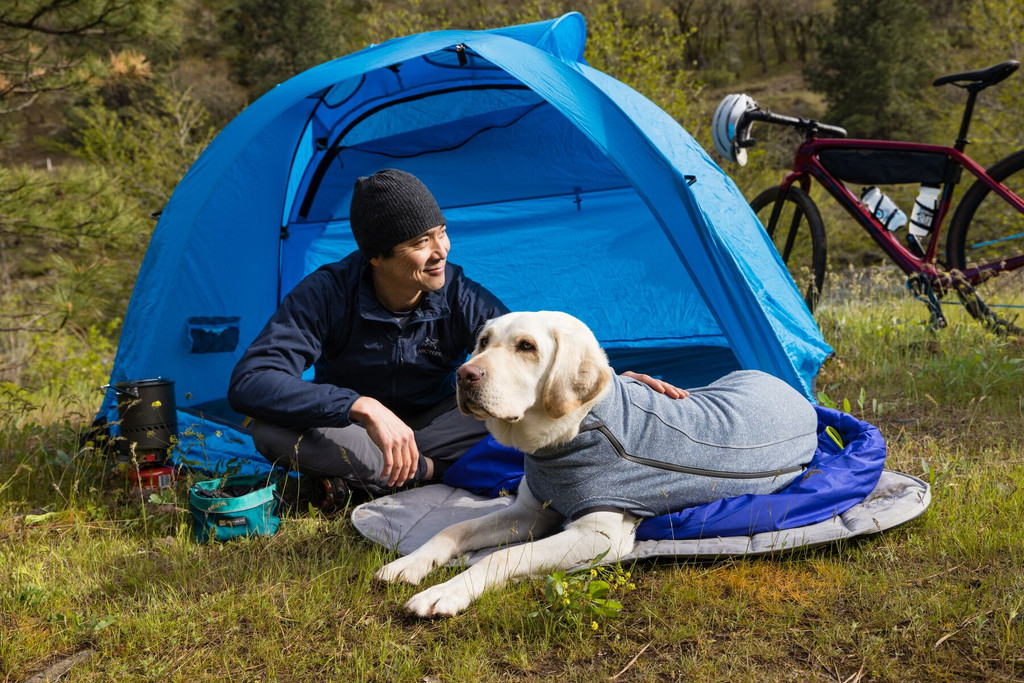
{"type": "Point", "coordinates": [393, 437]}
{"type": "Point", "coordinates": [661, 387]}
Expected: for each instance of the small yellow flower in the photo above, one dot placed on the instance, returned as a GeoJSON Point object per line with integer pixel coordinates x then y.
{"type": "Point", "coordinates": [156, 404]}
{"type": "Point", "coordinates": [593, 626]}
{"type": "Point", "coordinates": [566, 601]}
{"type": "Point", "coordinates": [632, 586]}
{"type": "Point", "coordinates": [593, 572]}
{"type": "Point", "coordinates": [565, 585]}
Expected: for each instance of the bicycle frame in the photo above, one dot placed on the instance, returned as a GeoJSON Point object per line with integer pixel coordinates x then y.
{"type": "Point", "coordinates": [807, 165]}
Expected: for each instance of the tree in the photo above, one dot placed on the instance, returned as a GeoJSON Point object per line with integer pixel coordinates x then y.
{"type": "Point", "coordinates": [61, 233]}
{"type": "Point", "coordinates": [148, 146]}
{"type": "Point", "coordinates": [269, 41]}
{"type": "Point", "coordinates": [646, 56]}
{"type": "Point", "coordinates": [997, 28]}
{"type": "Point", "coordinates": [71, 240]}
{"type": "Point", "coordinates": [57, 45]}
{"type": "Point", "coordinates": [707, 26]}
{"type": "Point", "coordinates": [876, 62]}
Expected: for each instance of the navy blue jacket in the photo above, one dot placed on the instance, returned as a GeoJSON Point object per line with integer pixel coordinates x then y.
{"type": "Point", "coordinates": [333, 320]}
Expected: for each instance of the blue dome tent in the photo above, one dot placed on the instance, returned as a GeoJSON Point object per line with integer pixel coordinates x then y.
{"type": "Point", "coordinates": [563, 188]}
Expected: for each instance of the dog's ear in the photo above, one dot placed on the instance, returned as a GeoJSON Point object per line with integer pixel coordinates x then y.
{"type": "Point", "coordinates": [578, 373]}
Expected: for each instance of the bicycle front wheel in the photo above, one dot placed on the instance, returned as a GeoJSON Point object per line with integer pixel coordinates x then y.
{"type": "Point", "coordinates": [986, 229]}
{"type": "Point", "coordinates": [798, 235]}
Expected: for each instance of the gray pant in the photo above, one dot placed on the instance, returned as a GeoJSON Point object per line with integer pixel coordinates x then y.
{"type": "Point", "coordinates": [442, 434]}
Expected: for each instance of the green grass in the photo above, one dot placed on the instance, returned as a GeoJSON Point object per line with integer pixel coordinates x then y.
{"type": "Point", "coordinates": [86, 565]}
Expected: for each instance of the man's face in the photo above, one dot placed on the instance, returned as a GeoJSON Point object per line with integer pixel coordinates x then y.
{"type": "Point", "coordinates": [417, 263]}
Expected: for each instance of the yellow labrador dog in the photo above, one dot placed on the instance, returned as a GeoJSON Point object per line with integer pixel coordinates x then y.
{"type": "Point", "coordinates": [602, 451]}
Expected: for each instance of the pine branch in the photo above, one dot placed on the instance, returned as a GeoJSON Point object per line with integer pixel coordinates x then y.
{"type": "Point", "coordinates": [36, 22]}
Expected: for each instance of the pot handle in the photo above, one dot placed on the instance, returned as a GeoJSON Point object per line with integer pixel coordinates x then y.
{"type": "Point", "coordinates": [133, 392]}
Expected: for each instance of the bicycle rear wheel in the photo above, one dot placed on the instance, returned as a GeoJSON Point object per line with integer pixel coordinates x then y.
{"type": "Point", "coordinates": [986, 229]}
{"type": "Point", "coordinates": [799, 237]}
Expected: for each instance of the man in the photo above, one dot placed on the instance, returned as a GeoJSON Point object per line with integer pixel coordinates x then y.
{"type": "Point", "coordinates": [385, 329]}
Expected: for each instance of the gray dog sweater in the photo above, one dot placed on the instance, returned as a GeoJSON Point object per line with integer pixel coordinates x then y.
{"type": "Point", "coordinates": [648, 454]}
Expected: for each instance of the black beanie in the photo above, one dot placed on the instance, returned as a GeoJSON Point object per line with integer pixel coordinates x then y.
{"type": "Point", "coordinates": [390, 207]}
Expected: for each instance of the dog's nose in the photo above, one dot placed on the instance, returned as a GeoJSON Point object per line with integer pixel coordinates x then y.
{"type": "Point", "coordinates": [470, 374]}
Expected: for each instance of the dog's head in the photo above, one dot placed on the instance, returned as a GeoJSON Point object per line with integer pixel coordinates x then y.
{"type": "Point", "coordinates": [540, 367]}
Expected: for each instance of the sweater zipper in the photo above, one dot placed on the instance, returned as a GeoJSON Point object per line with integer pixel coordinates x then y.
{"type": "Point", "coordinates": [696, 471]}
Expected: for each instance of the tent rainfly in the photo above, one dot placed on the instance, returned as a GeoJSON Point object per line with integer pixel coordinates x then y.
{"type": "Point", "coordinates": [563, 188]}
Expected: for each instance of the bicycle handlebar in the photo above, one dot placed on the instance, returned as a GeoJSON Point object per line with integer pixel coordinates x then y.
{"type": "Point", "coordinates": [809, 127]}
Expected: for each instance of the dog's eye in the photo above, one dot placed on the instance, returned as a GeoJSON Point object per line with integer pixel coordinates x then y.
{"type": "Point", "coordinates": [482, 343]}
{"type": "Point", "coordinates": [525, 346]}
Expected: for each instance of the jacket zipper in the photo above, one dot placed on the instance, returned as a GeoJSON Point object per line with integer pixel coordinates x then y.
{"type": "Point", "coordinates": [399, 360]}
{"type": "Point", "coordinates": [696, 471]}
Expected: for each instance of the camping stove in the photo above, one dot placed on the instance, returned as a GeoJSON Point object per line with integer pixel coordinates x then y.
{"type": "Point", "coordinates": [152, 478]}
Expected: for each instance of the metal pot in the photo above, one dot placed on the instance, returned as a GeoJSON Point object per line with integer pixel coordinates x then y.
{"type": "Point", "coordinates": [148, 418]}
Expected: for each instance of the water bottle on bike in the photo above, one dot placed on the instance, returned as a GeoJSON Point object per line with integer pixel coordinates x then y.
{"type": "Point", "coordinates": [921, 217]}
{"type": "Point", "coordinates": [884, 208]}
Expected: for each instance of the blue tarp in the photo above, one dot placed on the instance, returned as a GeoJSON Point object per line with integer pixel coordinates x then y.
{"type": "Point", "coordinates": [838, 477]}
{"type": "Point", "coordinates": [563, 189]}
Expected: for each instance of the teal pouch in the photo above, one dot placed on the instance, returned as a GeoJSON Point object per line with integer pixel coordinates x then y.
{"type": "Point", "coordinates": [234, 506]}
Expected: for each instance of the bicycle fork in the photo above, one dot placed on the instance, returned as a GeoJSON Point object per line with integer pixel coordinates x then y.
{"type": "Point", "coordinates": [780, 201]}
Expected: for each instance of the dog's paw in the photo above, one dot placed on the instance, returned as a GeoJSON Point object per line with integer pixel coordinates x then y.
{"type": "Point", "coordinates": [444, 600]}
{"type": "Point", "coordinates": [409, 569]}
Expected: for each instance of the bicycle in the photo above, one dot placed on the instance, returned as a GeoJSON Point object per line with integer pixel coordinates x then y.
{"type": "Point", "coordinates": [986, 233]}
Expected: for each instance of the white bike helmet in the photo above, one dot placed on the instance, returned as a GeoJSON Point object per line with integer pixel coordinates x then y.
{"type": "Point", "coordinates": [730, 127]}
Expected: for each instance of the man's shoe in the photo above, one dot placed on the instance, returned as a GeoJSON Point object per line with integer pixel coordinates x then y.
{"type": "Point", "coordinates": [335, 494]}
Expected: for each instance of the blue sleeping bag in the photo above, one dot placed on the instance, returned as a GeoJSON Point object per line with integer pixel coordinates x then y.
{"type": "Point", "coordinates": [838, 477]}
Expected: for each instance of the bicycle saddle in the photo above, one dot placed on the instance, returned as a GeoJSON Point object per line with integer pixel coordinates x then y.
{"type": "Point", "coordinates": [982, 78]}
